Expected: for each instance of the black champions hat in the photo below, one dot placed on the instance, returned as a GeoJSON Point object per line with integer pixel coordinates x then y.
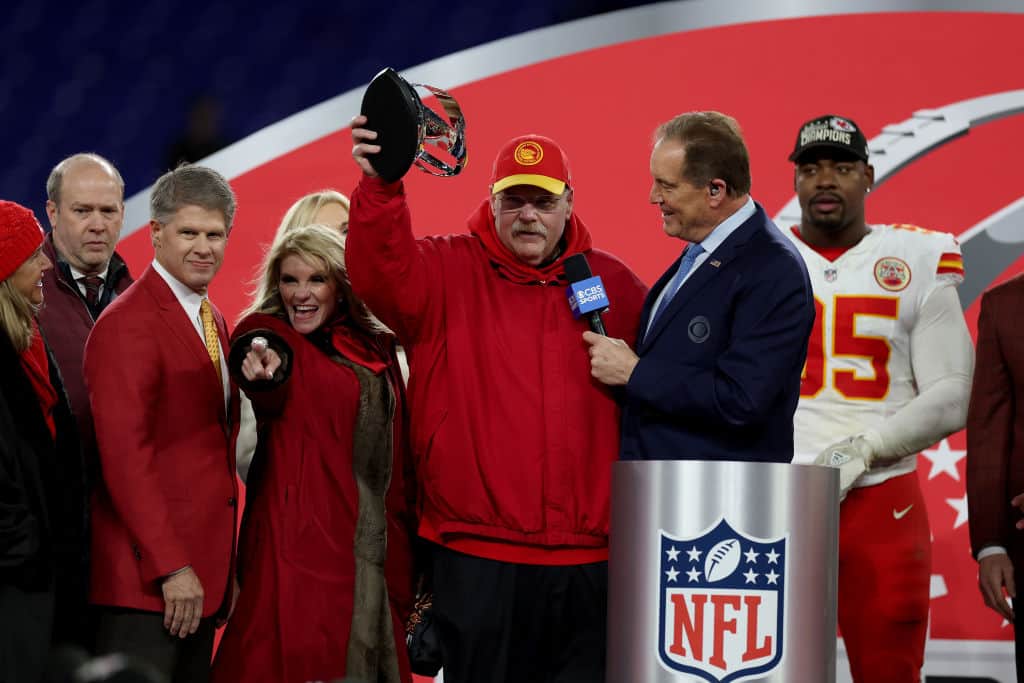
{"type": "Point", "coordinates": [831, 131]}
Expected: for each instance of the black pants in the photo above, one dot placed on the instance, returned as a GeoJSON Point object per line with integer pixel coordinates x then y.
{"type": "Point", "coordinates": [142, 635]}
{"type": "Point", "coordinates": [26, 627]}
{"type": "Point", "coordinates": [510, 623]}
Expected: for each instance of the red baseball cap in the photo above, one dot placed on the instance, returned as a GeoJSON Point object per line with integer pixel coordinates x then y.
{"type": "Point", "coordinates": [531, 160]}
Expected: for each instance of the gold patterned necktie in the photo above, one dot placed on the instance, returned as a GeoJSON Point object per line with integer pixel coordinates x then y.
{"type": "Point", "coordinates": [210, 334]}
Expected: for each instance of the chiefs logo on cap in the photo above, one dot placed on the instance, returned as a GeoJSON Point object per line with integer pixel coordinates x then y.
{"type": "Point", "coordinates": [528, 153]}
{"type": "Point", "coordinates": [892, 273]}
{"type": "Point", "coordinates": [842, 124]}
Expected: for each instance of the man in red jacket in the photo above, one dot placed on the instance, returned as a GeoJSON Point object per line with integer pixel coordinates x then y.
{"type": "Point", "coordinates": [166, 416]}
{"type": "Point", "coordinates": [512, 438]}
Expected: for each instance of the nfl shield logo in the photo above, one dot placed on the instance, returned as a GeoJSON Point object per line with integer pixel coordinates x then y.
{"type": "Point", "coordinates": [722, 599]}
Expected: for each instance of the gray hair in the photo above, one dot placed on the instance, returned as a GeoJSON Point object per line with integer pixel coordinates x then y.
{"type": "Point", "coordinates": [714, 148]}
{"type": "Point", "coordinates": [55, 181]}
{"type": "Point", "coordinates": [191, 185]}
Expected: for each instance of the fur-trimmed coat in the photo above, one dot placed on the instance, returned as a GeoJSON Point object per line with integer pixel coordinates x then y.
{"type": "Point", "coordinates": [324, 559]}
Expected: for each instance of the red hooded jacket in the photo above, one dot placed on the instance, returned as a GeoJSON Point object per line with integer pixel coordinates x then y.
{"type": "Point", "coordinates": [512, 438]}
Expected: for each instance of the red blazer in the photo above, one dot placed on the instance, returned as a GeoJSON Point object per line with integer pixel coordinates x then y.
{"type": "Point", "coordinates": [168, 493]}
{"type": "Point", "coordinates": [995, 422]}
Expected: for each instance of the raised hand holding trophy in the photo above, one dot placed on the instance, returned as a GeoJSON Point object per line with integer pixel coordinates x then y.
{"type": "Point", "coordinates": [410, 132]}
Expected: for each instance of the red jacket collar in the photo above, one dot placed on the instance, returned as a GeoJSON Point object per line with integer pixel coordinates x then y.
{"type": "Point", "coordinates": [576, 239]}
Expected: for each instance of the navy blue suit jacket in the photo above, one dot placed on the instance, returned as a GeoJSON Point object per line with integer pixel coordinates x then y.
{"type": "Point", "coordinates": [719, 372]}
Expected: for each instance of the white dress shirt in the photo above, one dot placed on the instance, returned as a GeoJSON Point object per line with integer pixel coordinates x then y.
{"type": "Point", "coordinates": [709, 244]}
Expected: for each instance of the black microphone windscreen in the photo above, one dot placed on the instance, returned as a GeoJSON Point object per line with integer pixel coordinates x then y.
{"type": "Point", "coordinates": [576, 268]}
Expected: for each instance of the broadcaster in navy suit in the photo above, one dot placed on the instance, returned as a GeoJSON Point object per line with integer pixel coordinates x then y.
{"type": "Point", "coordinates": [723, 333]}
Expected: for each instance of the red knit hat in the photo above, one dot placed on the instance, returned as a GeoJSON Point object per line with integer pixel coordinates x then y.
{"type": "Point", "coordinates": [531, 160]}
{"type": "Point", "coordinates": [20, 236]}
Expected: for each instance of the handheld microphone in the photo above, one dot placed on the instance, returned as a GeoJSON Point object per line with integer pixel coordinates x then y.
{"type": "Point", "coordinates": [586, 292]}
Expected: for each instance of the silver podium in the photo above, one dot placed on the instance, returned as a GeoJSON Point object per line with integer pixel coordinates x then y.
{"type": "Point", "coordinates": [722, 571]}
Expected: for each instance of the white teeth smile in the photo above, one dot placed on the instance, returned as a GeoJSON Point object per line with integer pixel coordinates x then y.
{"type": "Point", "coordinates": [305, 309]}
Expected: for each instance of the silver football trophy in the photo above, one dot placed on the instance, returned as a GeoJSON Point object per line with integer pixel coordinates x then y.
{"type": "Point", "coordinates": [409, 131]}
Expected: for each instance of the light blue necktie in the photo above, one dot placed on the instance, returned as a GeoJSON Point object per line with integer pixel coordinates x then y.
{"type": "Point", "coordinates": [689, 256]}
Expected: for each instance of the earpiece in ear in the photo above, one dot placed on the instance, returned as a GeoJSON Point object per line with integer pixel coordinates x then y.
{"type": "Point", "coordinates": [714, 190]}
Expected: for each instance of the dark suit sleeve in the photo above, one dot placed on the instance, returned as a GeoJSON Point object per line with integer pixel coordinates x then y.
{"type": "Point", "coordinates": [771, 321]}
{"type": "Point", "coordinates": [123, 372]}
{"type": "Point", "coordinates": [989, 433]}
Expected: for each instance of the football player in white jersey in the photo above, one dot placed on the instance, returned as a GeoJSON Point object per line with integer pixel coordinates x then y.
{"type": "Point", "coordinates": [888, 373]}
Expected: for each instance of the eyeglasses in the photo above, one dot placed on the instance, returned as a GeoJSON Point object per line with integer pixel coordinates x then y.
{"type": "Point", "coordinates": [545, 203]}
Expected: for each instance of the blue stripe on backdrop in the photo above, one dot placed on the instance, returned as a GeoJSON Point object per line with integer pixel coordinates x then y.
{"type": "Point", "coordinates": [120, 78]}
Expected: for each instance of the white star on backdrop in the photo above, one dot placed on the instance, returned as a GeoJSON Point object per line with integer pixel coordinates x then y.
{"type": "Point", "coordinates": [773, 557]}
{"type": "Point", "coordinates": [693, 574]}
{"type": "Point", "coordinates": [960, 505]}
{"type": "Point", "coordinates": [751, 576]}
{"type": "Point", "coordinates": [944, 459]}
{"type": "Point", "coordinates": [672, 574]}
{"type": "Point", "coordinates": [694, 554]}
{"type": "Point", "coordinates": [672, 554]}
{"type": "Point", "coordinates": [772, 577]}
{"type": "Point", "coordinates": [751, 555]}
{"type": "Point", "coordinates": [937, 587]}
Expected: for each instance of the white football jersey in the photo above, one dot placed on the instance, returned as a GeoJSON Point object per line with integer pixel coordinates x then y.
{"type": "Point", "coordinates": [858, 370]}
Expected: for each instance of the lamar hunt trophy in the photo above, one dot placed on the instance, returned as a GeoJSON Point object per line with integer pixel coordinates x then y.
{"type": "Point", "coordinates": [405, 126]}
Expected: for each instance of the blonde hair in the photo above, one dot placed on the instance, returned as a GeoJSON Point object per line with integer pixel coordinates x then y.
{"type": "Point", "coordinates": [317, 245]}
{"type": "Point", "coordinates": [304, 211]}
{"type": "Point", "coordinates": [16, 316]}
